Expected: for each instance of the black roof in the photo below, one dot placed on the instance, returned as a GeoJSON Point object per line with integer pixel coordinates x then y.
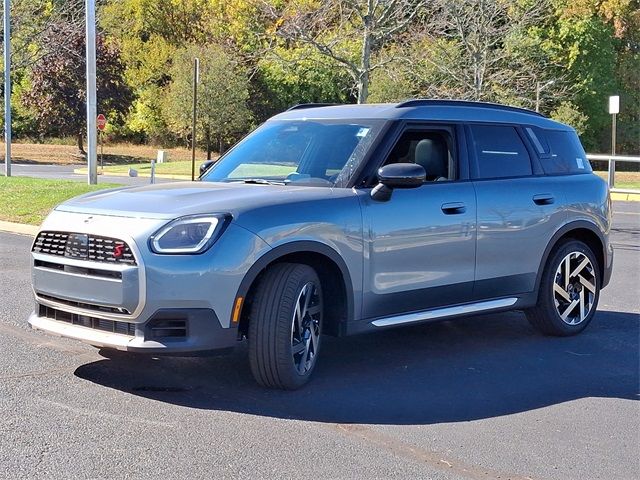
{"type": "Point", "coordinates": [424, 109]}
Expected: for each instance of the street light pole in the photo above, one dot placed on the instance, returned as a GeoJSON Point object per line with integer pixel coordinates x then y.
{"type": "Point", "coordinates": [92, 110]}
{"type": "Point", "coordinates": [7, 88]}
{"type": "Point", "coordinates": [539, 88]}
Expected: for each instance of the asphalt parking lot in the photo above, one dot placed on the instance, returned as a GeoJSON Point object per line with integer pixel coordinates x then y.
{"type": "Point", "coordinates": [482, 397]}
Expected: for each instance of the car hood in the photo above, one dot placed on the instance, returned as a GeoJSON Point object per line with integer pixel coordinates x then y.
{"type": "Point", "coordinates": [171, 200]}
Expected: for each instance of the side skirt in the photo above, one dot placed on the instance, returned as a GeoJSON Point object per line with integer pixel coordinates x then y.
{"type": "Point", "coordinates": [441, 313]}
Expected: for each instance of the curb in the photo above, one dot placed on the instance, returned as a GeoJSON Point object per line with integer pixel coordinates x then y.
{"type": "Point", "coordinates": [625, 197]}
{"type": "Point", "coordinates": [19, 228]}
{"type": "Point", "coordinates": [83, 171]}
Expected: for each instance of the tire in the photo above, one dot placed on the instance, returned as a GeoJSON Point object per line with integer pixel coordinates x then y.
{"type": "Point", "coordinates": [284, 341]}
{"type": "Point", "coordinates": [566, 307]}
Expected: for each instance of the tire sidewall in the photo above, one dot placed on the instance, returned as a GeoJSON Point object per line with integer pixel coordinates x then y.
{"type": "Point", "coordinates": [271, 322]}
{"type": "Point", "coordinates": [284, 338]}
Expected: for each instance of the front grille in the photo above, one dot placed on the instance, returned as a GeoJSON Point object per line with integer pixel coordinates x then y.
{"type": "Point", "coordinates": [51, 243]}
{"type": "Point", "coordinates": [122, 328]}
{"type": "Point", "coordinates": [78, 270]}
{"type": "Point", "coordinates": [86, 306]}
{"type": "Point", "coordinates": [84, 247]}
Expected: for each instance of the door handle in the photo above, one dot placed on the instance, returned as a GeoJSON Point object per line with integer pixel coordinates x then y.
{"type": "Point", "coordinates": [454, 208]}
{"type": "Point", "coordinates": [543, 199]}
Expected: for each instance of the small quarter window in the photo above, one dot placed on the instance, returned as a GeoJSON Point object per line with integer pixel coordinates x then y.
{"type": "Point", "coordinates": [500, 152]}
{"type": "Point", "coordinates": [538, 141]}
{"type": "Point", "coordinates": [566, 154]}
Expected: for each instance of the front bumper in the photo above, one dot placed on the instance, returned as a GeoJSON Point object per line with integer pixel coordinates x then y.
{"type": "Point", "coordinates": [173, 304]}
{"type": "Point", "coordinates": [170, 331]}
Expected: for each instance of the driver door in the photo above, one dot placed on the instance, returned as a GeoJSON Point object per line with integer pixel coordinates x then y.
{"type": "Point", "coordinates": [421, 244]}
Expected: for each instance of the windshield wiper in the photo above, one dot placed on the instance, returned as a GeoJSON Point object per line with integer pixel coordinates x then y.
{"type": "Point", "coordinates": [258, 181]}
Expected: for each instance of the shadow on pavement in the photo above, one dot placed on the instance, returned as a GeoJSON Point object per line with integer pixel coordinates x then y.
{"type": "Point", "coordinates": [470, 369]}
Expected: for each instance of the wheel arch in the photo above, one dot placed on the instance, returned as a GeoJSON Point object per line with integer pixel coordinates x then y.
{"type": "Point", "coordinates": [584, 231]}
{"type": "Point", "coordinates": [327, 262]}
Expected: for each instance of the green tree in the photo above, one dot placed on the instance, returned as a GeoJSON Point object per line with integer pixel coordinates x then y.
{"type": "Point", "coordinates": [301, 75]}
{"type": "Point", "coordinates": [348, 32]}
{"type": "Point", "coordinates": [222, 97]}
{"type": "Point", "coordinates": [56, 97]}
{"type": "Point", "coordinates": [568, 113]}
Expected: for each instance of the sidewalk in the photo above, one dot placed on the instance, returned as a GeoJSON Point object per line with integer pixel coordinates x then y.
{"type": "Point", "coordinates": [20, 228]}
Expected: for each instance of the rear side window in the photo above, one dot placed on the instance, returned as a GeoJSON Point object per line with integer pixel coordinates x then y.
{"type": "Point", "coordinates": [500, 152]}
{"type": "Point", "coordinates": [566, 153]}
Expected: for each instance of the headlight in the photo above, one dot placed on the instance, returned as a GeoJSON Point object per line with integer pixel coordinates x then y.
{"type": "Point", "coordinates": [193, 234]}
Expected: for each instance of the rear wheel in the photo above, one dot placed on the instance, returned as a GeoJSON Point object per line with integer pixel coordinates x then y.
{"type": "Point", "coordinates": [285, 326]}
{"type": "Point", "coordinates": [569, 291]}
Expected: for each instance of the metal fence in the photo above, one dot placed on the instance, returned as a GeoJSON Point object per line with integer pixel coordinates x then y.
{"type": "Point", "coordinates": [611, 169]}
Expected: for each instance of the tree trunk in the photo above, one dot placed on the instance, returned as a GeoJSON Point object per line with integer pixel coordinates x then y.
{"type": "Point", "coordinates": [80, 139]}
{"type": "Point", "coordinates": [365, 60]}
{"type": "Point", "coordinates": [221, 147]}
{"type": "Point", "coordinates": [207, 139]}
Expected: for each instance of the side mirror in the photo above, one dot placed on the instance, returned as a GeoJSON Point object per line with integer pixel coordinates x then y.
{"type": "Point", "coordinates": [397, 175]}
{"type": "Point", "coordinates": [206, 166]}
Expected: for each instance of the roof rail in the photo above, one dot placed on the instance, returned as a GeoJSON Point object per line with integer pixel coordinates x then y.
{"type": "Point", "coordinates": [302, 106]}
{"type": "Point", "coordinates": [464, 103]}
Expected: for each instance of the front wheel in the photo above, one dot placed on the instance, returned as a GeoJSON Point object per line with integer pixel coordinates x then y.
{"type": "Point", "coordinates": [285, 326]}
{"type": "Point", "coordinates": [569, 291]}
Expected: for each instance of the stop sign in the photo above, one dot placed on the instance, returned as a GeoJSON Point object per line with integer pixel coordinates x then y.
{"type": "Point", "coordinates": [101, 122]}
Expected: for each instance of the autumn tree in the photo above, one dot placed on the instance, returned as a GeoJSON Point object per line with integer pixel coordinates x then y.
{"type": "Point", "coordinates": [57, 92]}
{"type": "Point", "coordinates": [349, 32]}
{"type": "Point", "coordinates": [222, 97]}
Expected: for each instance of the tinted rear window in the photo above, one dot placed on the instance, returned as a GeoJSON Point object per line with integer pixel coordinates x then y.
{"type": "Point", "coordinates": [500, 152]}
{"type": "Point", "coordinates": [566, 153]}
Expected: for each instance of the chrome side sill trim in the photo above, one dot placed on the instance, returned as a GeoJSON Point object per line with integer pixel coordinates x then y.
{"type": "Point", "coordinates": [445, 312]}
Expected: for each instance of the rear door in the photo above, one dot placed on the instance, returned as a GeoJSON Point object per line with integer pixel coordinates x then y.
{"type": "Point", "coordinates": [421, 243]}
{"type": "Point", "coordinates": [519, 209]}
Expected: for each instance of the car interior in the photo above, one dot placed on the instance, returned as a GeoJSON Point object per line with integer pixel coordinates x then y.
{"type": "Point", "coordinates": [431, 149]}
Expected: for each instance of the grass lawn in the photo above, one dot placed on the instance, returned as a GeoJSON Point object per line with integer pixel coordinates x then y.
{"type": "Point", "coordinates": [29, 200]}
{"type": "Point", "coordinates": [113, 153]}
{"type": "Point", "coordinates": [629, 180]}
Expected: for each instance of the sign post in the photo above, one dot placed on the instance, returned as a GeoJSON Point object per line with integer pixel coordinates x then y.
{"type": "Point", "coordinates": [101, 123]}
{"type": "Point", "coordinates": [614, 109]}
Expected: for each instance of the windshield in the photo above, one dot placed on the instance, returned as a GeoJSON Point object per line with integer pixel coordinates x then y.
{"type": "Point", "coordinates": [311, 152]}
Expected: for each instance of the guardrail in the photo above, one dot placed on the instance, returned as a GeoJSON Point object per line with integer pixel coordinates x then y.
{"type": "Point", "coordinates": [612, 159]}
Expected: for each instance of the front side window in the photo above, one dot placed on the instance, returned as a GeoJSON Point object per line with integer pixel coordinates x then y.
{"type": "Point", "coordinates": [302, 152]}
{"type": "Point", "coordinates": [432, 149]}
{"type": "Point", "coordinates": [500, 152]}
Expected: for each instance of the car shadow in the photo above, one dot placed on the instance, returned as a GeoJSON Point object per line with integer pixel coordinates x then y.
{"type": "Point", "coordinates": [474, 368]}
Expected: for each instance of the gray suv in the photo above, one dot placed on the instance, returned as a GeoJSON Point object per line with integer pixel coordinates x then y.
{"type": "Point", "coordinates": [335, 220]}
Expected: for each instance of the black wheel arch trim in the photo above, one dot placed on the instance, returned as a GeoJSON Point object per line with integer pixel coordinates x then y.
{"type": "Point", "coordinates": [561, 232]}
{"type": "Point", "coordinates": [302, 246]}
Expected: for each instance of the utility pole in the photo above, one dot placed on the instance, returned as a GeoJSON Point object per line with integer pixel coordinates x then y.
{"type": "Point", "coordinates": [7, 88]}
{"type": "Point", "coordinates": [92, 109]}
{"type": "Point", "coordinates": [196, 75]}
